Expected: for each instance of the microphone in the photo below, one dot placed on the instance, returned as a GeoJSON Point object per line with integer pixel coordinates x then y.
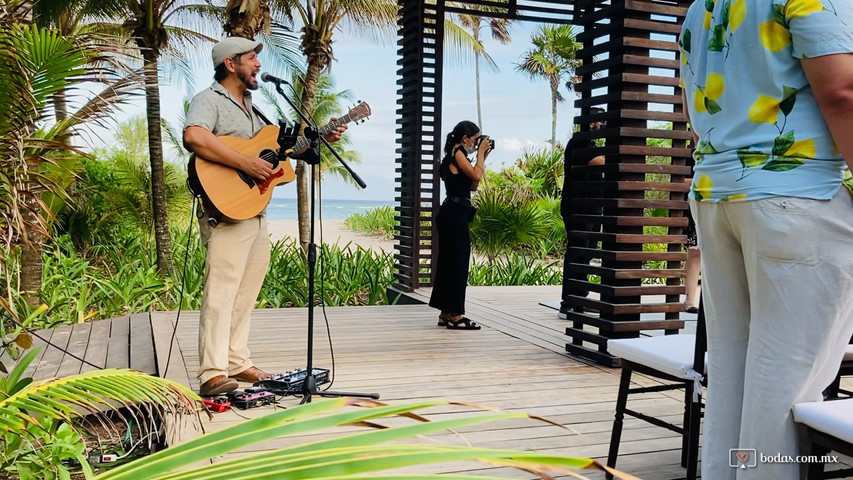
{"type": "Point", "coordinates": [266, 77]}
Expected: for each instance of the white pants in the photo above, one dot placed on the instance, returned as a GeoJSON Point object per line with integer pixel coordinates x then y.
{"type": "Point", "coordinates": [778, 294]}
{"type": "Point", "coordinates": [238, 255]}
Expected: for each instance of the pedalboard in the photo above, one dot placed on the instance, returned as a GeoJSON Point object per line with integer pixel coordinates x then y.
{"type": "Point", "coordinates": [244, 400]}
{"type": "Point", "coordinates": [290, 383]}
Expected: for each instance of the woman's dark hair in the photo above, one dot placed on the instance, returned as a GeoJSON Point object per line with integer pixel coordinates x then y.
{"type": "Point", "coordinates": [463, 128]}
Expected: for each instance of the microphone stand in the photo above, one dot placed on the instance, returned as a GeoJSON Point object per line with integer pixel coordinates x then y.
{"type": "Point", "coordinates": [312, 157]}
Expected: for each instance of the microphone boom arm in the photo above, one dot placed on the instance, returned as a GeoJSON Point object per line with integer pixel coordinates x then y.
{"type": "Point", "coordinates": [304, 141]}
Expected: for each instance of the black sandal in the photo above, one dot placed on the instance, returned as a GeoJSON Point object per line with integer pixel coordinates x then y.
{"type": "Point", "coordinates": [442, 320]}
{"type": "Point", "coordinates": [463, 323]}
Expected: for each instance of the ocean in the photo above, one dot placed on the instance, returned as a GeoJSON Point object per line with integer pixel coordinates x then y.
{"type": "Point", "coordinates": [285, 208]}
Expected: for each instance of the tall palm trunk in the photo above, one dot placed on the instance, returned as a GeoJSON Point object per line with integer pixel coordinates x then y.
{"type": "Point", "coordinates": [32, 250]}
{"type": "Point", "coordinates": [303, 198]}
{"type": "Point", "coordinates": [555, 94]}
{"type": "Point", "coordinates": [477, 79]}
{"type": "Point", "coordinates": [158, 180]}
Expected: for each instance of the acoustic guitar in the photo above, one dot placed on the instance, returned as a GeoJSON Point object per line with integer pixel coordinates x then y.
{"type": "Point", "coordinates": [229, 194]}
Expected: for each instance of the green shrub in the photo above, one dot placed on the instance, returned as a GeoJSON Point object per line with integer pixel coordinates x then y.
{"type": "Point", "coordinates": [376, 221]}
{"type": "Point", "coordinates": [348, 275]}
{"type": "Point", "coordinates": [121, 278]}
{"type": "Point", "coordinates": [515, 269]}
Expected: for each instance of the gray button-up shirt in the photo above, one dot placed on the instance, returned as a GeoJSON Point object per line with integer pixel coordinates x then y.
{"type": "Point", "coordinates": [218, 111]}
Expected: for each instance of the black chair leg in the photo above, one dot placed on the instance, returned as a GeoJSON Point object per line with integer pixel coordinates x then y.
{"type": "Point", "coordinates": [685, 423]}
{"type": "Point", "coordinates": [816, 468]}
{"type": "Point", "coordinates": [621, 403]}
{"type": "Point", "coordinates": [693, 431]}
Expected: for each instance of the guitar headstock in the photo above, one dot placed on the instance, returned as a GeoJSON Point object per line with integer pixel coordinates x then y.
{"type": "Point", "coordinates": [359, 112]}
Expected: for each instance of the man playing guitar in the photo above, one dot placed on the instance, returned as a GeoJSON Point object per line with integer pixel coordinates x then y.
{"type": "Point", "coordinates": [238, 252]}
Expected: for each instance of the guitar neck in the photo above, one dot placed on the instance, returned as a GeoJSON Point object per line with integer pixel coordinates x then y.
{"type": "Point", "coordinates": [303, 142]}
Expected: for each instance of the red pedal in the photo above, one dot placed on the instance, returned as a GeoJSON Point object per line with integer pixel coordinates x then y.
{"type": "Point", "coordinates": [218, 405]}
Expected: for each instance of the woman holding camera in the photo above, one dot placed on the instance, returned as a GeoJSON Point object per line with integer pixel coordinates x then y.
{"type": "Point", "coordinates": [460, 177]}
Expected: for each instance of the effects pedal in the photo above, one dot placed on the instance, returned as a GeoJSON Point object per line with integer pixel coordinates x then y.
{"type": "Point", "coordinates": [290, 383]}
{"type": "Point", "coordinates": [219, 404]}
{"type": "Point", "coordinates": [244, 400]}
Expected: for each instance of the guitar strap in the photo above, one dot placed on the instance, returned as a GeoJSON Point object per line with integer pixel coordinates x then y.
{"type": "Point", "coordinates": [260, 114]}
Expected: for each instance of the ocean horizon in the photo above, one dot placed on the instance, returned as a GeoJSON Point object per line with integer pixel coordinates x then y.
{"type": "Point", "coordinates": [337, 209]}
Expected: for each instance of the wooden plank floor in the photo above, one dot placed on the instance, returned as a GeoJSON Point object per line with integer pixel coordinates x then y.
{"type": "Point", "coordinates": [517, 362]}
{"type": "Point", "coordinates": [398, 352]}
{"type": "Point", "coordinates": [121, 342]}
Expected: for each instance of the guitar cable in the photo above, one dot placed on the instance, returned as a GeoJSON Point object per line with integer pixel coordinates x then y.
{"type": "Point", "coordinates": [196, 209]}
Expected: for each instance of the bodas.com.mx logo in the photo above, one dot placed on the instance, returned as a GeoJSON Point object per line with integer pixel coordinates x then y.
{"type": "Point", "coordinates": [743, 458]}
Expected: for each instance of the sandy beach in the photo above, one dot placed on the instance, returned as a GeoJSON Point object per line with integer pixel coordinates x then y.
{"type": "Point", "coordinates": [332, 232]}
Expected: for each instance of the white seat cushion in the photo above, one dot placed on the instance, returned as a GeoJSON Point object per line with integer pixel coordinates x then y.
{"type": "Point", "coordinates": [671, 354]}
{"type": "Point", "coordinates": [833, 417]}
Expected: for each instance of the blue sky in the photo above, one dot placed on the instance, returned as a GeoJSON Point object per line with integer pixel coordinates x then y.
{"type": "Point", "coordinates": [516, 110]}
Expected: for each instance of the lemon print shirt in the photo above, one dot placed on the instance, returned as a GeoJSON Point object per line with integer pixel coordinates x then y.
{"type": "Point", "coordinates": [760, 131]}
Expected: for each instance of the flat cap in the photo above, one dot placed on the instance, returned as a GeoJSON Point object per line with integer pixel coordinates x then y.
{"type": "Point", "coordinates": [231, 46]}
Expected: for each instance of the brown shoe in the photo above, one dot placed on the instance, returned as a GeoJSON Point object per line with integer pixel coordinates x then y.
{"type": "Point", "coordinates": [251, 375]}
{"type": "Point", "coordinates": [217, 386]}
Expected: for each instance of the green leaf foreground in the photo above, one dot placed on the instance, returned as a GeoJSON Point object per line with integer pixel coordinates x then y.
{"type": "Point", "coordinates": [345, 457]}
{"type": "Point", "coordinates": [91, 391]}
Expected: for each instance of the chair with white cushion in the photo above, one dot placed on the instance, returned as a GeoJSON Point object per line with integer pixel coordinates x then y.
{"type": "Point", "coordinates": [830, 429]}
{"type": "Point", "coordinates": [845, 370]}
{"type": "Point", "coordinates": [677, 359]}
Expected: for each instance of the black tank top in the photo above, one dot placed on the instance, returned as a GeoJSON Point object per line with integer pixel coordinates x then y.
{"type": "Point", "coordinates": [455, 184]}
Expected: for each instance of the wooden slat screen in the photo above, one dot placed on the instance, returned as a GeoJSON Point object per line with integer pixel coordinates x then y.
{"type": "Point", "coordinates": [630, 68]}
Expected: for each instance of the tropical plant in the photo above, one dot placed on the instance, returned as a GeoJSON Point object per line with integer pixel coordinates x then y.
{"type": "Point", "coordinates": [552, 58]}
{"type": "Point", "coordinates": [319, 20]}
{"type": "Point", "coordinates": [36, 64]}
{"type": "Point", "coordinates": [502, 227]}
{"type": "Point", "coordinates": [113, 191]}
{"type": "Point", "coordinates": [120, 277]}
{"type": "Point", "coordinates": [376, 221]}
{"type": "Point", "coordinates": [499, 27]}
{"type": "Point", "coordinates": [343, 457]}
{"type": "Point", "coordinates": [545, 168]}
{"type": "Point", "coordinates": [161, 27]}
{"type": "Point", "coordinates": [515, 269]}
{"type": "Point", "coordinates": [38, 418]}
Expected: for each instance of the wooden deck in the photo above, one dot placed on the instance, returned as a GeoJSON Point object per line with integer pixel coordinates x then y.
{"type": "Point", "coordinates": [517, 363]}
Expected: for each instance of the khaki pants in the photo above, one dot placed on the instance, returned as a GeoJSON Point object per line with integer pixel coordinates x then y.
{"type": "Point", "coordinates": [238, 255]}
{"type": "Point", "coordinates": [778, 292]}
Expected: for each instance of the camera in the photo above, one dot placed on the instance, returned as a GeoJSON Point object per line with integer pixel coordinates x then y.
{"type": "Point", "coordinates": [484, 138]}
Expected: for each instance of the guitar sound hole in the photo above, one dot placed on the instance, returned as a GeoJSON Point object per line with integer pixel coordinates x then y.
{"type": "Point", "coordinates": [270, 156]}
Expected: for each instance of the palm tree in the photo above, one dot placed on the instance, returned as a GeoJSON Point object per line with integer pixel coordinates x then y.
{"type": "Point", "coordinates": [319, 19]}
{"type": "Point", "coordinates": [35, 64]}
{"type": "Point", "coordinates": [500, 32]}
{"type": "Point", "coordinates": [160, 27]}
{"type": "Point", "coordinates": [552, 58]}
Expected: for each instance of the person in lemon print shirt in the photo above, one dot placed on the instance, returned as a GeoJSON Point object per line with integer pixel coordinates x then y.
{"type": "Point", "coordinates": [768, 89]}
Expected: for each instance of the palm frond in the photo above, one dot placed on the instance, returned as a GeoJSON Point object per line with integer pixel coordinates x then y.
{"type": "Point", "coordinates": [93, 392]}
{"type": "Point", "coordinates": [348, 456]}
{"type": "Point", "coordinates": [286, 56]}
{"type": "Point", "coordinates": [460, 47]}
